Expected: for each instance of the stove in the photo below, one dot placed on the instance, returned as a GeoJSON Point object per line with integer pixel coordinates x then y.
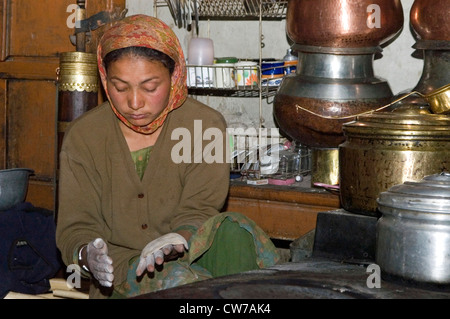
{"type": "Point", "coordinates": [313, 278]}
{"type": "Point", "coordinates": [339, 266]}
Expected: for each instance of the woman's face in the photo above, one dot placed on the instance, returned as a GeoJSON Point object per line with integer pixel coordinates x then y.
{"type": "Point", "coordinates": [139, 88]}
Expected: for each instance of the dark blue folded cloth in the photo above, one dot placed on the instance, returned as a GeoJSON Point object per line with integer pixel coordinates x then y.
{"type": "Point", "coordinates": [29, 257]}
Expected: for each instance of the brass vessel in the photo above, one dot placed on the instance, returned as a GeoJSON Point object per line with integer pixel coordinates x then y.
{"type": "Point", "coordinates": [78, 72]}
{"type": "Point", "coordinates": [325, 166]}
{"type": "Point", "coordinates": [389, 148]}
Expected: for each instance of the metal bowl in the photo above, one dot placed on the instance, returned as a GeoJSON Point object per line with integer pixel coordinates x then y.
{"type": "Point", "coordinates": [13, 186]}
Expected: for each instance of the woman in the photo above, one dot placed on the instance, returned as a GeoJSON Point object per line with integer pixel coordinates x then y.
{"type": "Point", "coordinates": [144, 176]}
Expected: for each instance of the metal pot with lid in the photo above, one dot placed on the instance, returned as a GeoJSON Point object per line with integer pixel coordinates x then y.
{"type": "Point", "coordinates": [384, 149]}
{"type": "Point", "coordinates": [413, 233]}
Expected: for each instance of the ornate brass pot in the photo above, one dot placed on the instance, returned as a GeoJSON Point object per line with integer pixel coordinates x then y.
{"type": "Point", "coordinates": [77, 87]}
{"type": "Point", "coordinates": [388, 148]}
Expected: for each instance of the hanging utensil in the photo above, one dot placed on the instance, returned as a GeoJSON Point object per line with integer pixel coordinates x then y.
{"type": "Point", "coordinates": [196, 16]}
{"type": "Point", "coordinates": [179, 21]}
{"type": "Point", "coordinates": [171, 9]}
{"type": "Point", "coordinates": [189, 15]}
{"type": "Point", "coordinates": [185, 10]}
{"type": "Point", "coordinates": [182, 13]}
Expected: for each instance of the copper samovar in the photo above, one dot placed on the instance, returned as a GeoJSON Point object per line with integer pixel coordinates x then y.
{"type": "Point", "coordinates": [430, 26]}
{"type": "Point", "coordinates": [336, 42]}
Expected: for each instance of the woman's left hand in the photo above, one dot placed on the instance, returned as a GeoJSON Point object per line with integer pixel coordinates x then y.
{"type": "Point", "coordinates": [167, 247]}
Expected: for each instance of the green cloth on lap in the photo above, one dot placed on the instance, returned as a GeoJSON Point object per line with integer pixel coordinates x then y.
{"type": "Point", "coordinates": [232, 251]}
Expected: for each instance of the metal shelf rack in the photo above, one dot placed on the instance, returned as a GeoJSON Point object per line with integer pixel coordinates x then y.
{"type": "Point", "coordinates": [195, 10]}
{"type": "Point", "coordinates": [241, 9]}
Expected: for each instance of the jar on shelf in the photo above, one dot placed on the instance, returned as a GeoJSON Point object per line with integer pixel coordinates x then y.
{"type": "Point", "coordinates": [290, 62]}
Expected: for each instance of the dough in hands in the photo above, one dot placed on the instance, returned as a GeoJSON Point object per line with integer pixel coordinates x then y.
{"type": "Point", "coordinates": [157, 244]}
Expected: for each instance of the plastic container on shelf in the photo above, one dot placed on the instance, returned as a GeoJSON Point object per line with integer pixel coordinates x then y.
{"type": "Point", "coordinates": [201, 52]}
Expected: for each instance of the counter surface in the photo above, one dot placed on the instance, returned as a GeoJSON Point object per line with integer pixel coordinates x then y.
{"type": "Point", "coordinates": [283, 212]}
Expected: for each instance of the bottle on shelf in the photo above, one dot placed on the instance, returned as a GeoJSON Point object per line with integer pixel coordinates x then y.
{"type": "Point", "coordinates": [290, 62]}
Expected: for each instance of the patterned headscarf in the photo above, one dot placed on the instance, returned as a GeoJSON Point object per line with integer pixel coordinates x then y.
{"type": "Point", "coordinates": [150, 32]}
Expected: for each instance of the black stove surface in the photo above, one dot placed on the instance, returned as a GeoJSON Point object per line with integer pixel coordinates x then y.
{"type": "Point", "coordinates": [313, 278]}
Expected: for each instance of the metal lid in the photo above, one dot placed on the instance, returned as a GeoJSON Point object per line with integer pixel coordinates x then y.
{"type": "Point", "coordinates": [431, 194]}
